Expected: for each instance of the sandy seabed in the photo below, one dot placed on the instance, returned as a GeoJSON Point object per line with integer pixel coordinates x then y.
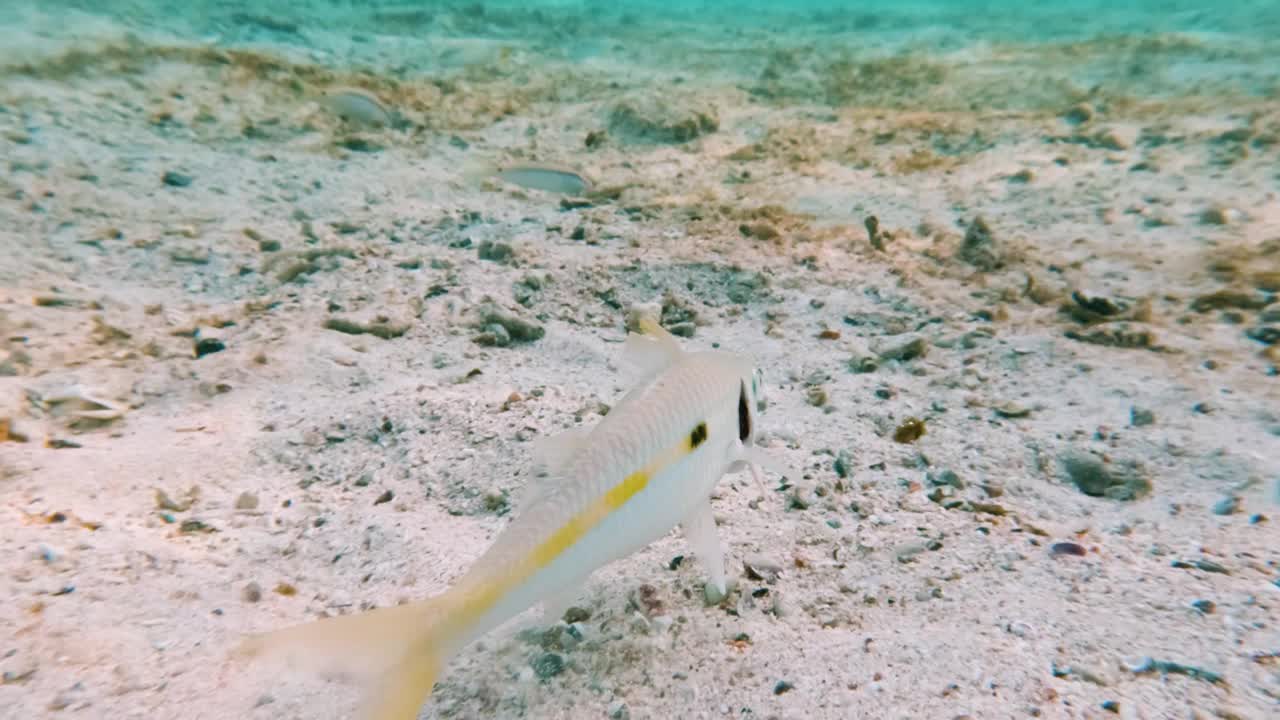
{"type": "Point", "coordinates": [264, 360]}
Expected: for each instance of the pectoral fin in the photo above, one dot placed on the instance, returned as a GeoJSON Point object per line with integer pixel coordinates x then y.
{"type": "Point", "coordinates": [704, 541]}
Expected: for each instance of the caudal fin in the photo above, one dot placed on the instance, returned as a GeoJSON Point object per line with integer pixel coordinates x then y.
{"type": "Point", "coordinates": [395, 651]}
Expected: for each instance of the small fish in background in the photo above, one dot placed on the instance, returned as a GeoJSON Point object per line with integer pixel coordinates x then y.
{"type": "Point", "coordinates": [546, 178]}
{"type": "Point", "coordinates": [649, 465]}
{"type": "Point", "coordinates": [358, 107]}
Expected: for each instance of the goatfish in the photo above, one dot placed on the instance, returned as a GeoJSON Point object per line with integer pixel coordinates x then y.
{"type": "Point", "coordinates": [604, 493]}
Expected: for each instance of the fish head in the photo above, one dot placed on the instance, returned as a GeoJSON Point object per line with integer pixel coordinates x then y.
{"type": "Point", "coordinates": [752, 401]}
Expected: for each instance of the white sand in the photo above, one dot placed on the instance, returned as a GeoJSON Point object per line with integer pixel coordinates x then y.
{"type": "Point", "coordinates": [884, 605]}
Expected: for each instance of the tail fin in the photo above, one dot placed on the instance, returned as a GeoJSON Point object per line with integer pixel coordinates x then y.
{"type": "Point", "coordinates": [397, 651]}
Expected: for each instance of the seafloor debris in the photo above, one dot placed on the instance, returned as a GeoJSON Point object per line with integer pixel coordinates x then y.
{"type": "Point", "coordinates": [1147, 665]}
{"type": "Point", "coordinates": [76, 407]}
{"type": "Point", "coordinates": [500, 328]}
{"type": "Point", "coordinates": [652, 118]}
{"type": "Point", "coordinates": [1119, 480]}
{"type": "Point", "coordinates": [979, 246]}
{"type": "Point", "coordinates": [911, 430]}
{"type": "Point", "coordinates": [381, 328]}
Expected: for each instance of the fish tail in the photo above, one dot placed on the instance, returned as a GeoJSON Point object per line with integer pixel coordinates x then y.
{"type": "Point", "coordinates": [398, 651]}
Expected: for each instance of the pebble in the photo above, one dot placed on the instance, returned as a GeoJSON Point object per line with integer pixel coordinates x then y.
{"type": "Point", "coordinates": [1204, 606]}
{"type": "Point", "coordinates": [1140, 416]}
{"type": "Point", "coordinates": [251, 593]}
{"type": "Point", "coordinates": [1079, 114]}
{"type": "Point", "coordinates": [173, 178]}
{"type": "Point", "coordinates": [247, 501]}
{"type": "Point", "coordinates": [842, 463]}
{"type": "Point", "coordinates": [782, 687]}
{"type": "Point", "coordinates": [519, 329]}
{"type": "Point", "coordinates": [1012, 410]}
{"type": "Point", "coordinates": [1067, 548]}
{"type": "Point", "coordinates": [905, 351]}
{"type": "Point", "coordinates": [548, 665]}
{"type": "Point", "coordinates": [1227, 506]}
{"type": "Point", "coordinates": [576, 614]}
{"type": "Point", "coordinates": [208, 346]}
{"type": "Point", "coordinates": [618, 711]}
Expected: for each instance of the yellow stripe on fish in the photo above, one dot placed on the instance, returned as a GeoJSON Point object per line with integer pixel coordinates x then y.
{"type": "Point", "coordinates": [483, 598]}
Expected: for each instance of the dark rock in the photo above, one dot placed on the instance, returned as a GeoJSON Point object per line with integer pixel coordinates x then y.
{"type": "Point", "coordinates": [173, 178]}
{"type": "Point", "coordinates": [208, 346]}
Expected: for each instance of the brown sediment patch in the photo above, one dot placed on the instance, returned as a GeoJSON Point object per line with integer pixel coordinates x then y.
{"type": "Point", "coordinates": [471, 100]}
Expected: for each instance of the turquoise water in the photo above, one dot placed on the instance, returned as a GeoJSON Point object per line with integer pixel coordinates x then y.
{"type": "Point", "coordinates": [1227, 41]}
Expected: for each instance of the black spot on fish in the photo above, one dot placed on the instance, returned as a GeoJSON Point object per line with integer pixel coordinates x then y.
{"type": "Point", "coordinates": [698, 436]}
{"type": "Point", "coordinates": [744, 416]}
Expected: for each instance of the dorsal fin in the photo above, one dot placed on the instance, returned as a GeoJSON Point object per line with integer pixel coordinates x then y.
{"type": "Point", "coordinates": [652, 350]}
{"type": "Point", "coordinates": [550, 454]}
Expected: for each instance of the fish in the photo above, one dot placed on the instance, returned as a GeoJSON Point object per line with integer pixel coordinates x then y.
{"type": "Point", "coordinates": [554, 179]}
{"type": "Point", "coordinates": [602, 494]}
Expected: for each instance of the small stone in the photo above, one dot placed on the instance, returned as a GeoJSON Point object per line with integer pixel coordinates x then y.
{"type": "Point", "coordinates": [577, 615]}
{"type": "Point", "coordinates": [494, 335]}
{"type": "Point", "coordinates": [1111, 706]}
{"type": "Point", "coordinates": [816, 396]}
{"type": "Point", "coordinates": [618, 711]}
{"type": "Point", "coordinates": [1079, 114]}
{"type": "Point", "coordinates": [519, 329]}
{"type": "Point", "coordinates": [247, 501]}
{"type": "Point", "coordinates": [386, 497]}
{"type": "Point", "coordinates": [208, 346]}
{"type": "Point", "coordinates": [842, 463]}
{"type": "Point", "coordinates": [782, 687]}
{"type": "Point", "coordinates": [909, 431]}
{"type": "Point", "coordinates": [173, 178]}
{"type": "Point", "coordinates": [1227, 506]}
{"type": "Point", "coordinates": [1064, 549]}
{"type": "Point", "coordinates": [251, 593]}
{"type": "Point", "coordinates": [905, 351]}
{"type": "Point", "coordinates": [944, 478]}
{"type": "Point", "coordinates": [1204, 606]}
{"type": "Point", "coordinates": [1117, 138]}
{"type": "Point", "coordinates": [1012, 410]}
{"type": "Point", "coordinates": [548, 665]}
{"type": "Point", "coordinates": [1140, 417]}
{"type": "Point", "coordinates": [1215, 216]}
{"type": "Point", "coordinates": [863, 364]}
